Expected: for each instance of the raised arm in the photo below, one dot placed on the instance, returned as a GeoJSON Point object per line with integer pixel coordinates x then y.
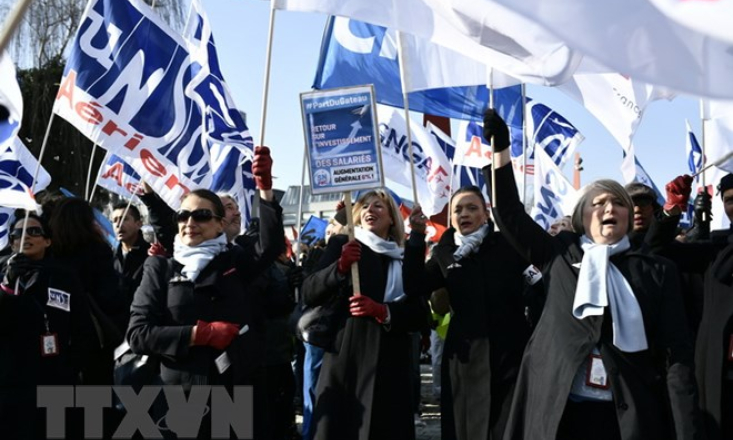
{"type": "Point", "coordinates": [532, 242]}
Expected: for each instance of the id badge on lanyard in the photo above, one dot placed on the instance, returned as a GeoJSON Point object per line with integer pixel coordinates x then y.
{"type": "Point", "coordinates": [49, 341]}
{"type": "Point", "coordinates": [596, 375]}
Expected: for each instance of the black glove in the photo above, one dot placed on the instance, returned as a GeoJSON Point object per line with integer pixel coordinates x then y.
{"type": "Point", "coordinates": [18, 266]}
{"type": "Point", "coordinates": [295, 277]}
{"type": "Point", "coordinates": [703, 208]}
{"type": "Point", "coordinates": [701, 225]}
{"type": "Point", "coordinates": [494, 125]}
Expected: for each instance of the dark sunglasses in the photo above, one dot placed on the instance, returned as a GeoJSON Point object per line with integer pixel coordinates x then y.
{"type": "Point", "coordinates": [198, 215]}
{"type": "Point", "coordinates": [31, 231]}
{"type": "Point", "coordinates": [642, 202]}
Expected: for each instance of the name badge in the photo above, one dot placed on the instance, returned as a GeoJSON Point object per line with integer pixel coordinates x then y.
{"type": "Point", "coordinates": [58, 299]}
{"type": "Point", "coordinates": [532, 275]}
{"type": "Point", "coordinates": [596, 375]}
{"type": "Point", "coordinates": [49, 344]}
{"type": "Point", "coordinates": [730, 349]}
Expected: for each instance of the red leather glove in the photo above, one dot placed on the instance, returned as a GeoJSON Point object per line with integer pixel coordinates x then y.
{"type": "Point", "coordinates": [217, 334]}
{"type": "Point", "coordinates": [157, 249]}
{"type": "Point", "coordinates": [350, 253]}
{"type": "Point", "coordinates": [262, 168]}
{"type": "Point", "coordinates": [360, 305]}
{"type": "Point", "coordinates": [678, 193]}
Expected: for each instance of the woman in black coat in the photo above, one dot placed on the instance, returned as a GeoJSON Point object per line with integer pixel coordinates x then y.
{"type": "Point", "coordinates": [611, 357]}
{"type": "Point", "coordinates": [45, 330]}
{"type": "Point", "coordinates": [364, 390]}
{"type": "Point", "coordinates": [488, 330]}
{"type": "Point", "coordinates": [198, 306]}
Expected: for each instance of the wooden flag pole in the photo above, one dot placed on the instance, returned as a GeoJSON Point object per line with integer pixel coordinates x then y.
{"type": "Point", "coordinates": [406, 102]}
{"type": "Point", "coordinates": [350, 223]}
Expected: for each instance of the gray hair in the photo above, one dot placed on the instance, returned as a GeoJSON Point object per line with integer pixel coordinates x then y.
{"type": "Point", "coordinates": [600, 186]}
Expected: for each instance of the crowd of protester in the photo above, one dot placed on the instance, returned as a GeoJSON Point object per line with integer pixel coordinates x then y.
{"type": "Point", "coordinates": [613, 324]}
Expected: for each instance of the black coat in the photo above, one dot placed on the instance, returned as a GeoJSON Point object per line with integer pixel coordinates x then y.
{"type": "Point", "coordinates": [364, 389]}
{"type": "Point", "coordinates": [165, 310]}
{"type": "Point", "coordinates": [714, 370]}
{"type": "Point", "coordinates": [654, 390]}
{"type": "Point", "coordinates": [22, 367]}
{"type": "Point", "coordinates": [487, 333]}
{"type": "Point", "coordinates": [129, 269]}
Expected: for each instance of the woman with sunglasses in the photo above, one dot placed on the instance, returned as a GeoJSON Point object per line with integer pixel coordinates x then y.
{"type": "Point", "coordinates": [45, 328]}
{"type": "Point", "coordinates": [364, 390]}
{"type": "Point", "coordinates": [611, 357]}
{"type": "Point", "coordinates": [198, 311]}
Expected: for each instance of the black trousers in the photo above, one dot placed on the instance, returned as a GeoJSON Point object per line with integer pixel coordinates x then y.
{"type": "Point", "coordinates": [589, 420]}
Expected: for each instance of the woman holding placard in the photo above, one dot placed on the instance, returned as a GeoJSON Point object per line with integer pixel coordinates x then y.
{"type": "Point", "coordinates": [364, 390]}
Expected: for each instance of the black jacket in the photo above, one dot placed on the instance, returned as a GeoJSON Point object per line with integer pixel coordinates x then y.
{"type": "Point", "coordinates": [129, 269]}
{"type": "Point", "coordinates": [364, 390]}
{"type": "Point", "coordinates": [654, 390]}
{"type": "Point", "coordinates": [165, 310]}
{"type": "Point", "coordinates": [487, 332]}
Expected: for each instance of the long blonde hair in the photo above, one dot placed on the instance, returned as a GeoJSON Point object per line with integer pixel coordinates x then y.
{"type": "Point", "coordinates": [397, 230]}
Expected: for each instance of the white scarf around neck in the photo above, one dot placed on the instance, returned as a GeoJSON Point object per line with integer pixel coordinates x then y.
{"type": "Point", "coordinates": [195, 258]}
{"type": "Point", "coordinates": [468, 244]}
{"type": "Point", "coordinates": [601, 283]}
{"type": "Point", "coordinates": [394, 290]}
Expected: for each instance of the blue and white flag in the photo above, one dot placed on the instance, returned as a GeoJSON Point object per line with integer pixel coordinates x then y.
{"type": "Point", "coordinates": [431, 165]}
{"type": "Point", "coordinates": [10, 99]}
{"type": "Point", "coordinates": [633, 171]}
{"type": "Point", "coordinates": [554, 196]}
{"type": "Point", "coordinates": [117, 176]}
{"type": "Point", "coordinates": [137, 88]}
{"type": "Point", "coordinates": [695, 158]}
{"type": "Point", "coordinates": [17, 167]}
{"type": "Point", "coordinates": [550, 131]}
{"type": "Point", "coordinates": [356, 53]}
{"type": "Point", "coordinates": [313, 230]}
{"type": "Point", "coordinates": [231, 162]}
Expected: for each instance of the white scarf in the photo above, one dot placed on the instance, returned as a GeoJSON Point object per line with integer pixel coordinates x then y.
{"type": "Point", "coordinates": [195, 258]}
{"type": "Point", "coordinates": [394, 290]}
{"type": "Point", "coordinates": [600, 283]}
{"type": "Point", "coordinates": [468, 244]}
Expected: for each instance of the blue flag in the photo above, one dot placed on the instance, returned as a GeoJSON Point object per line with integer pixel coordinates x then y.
{"type": "Point", "coordinates": [157, 99]}
{"type": "Point", "coordinates": [372, 60]}
{"type": "Point", "coordinates": [313, 230]}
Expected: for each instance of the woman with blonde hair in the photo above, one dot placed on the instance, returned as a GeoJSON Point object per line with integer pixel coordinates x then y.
{"type": "Point", "coordinates": [364, 390]}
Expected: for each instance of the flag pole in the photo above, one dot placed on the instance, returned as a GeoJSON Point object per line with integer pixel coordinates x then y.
{"type": "Point", "coordinates": [89, 173]}
{"type": "Point", "coordinates": [94, 188]}
{"type": "Point", "coordinates": [11, 24]}
{"type": "Point", "coordinates": [266, 83]}
{"type": "Point", "coordinates": [524, 145]}
{"type": "Point", "coordinates": [405, 99]}
{"type": "Point", "coordinates": [491, 141]}
{"type": "Point", "coordinates": [702, 123]}
{"type": "Point", "coordinates": [299, 221]}
{"type": "Point", "coordinates": [355, 281]}
{"type": "Point", "coordinates": [33, 187]}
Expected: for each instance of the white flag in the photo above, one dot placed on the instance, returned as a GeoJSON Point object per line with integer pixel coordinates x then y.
{"type": "Point", "coordinates": [617, 101]}
{"type": "Point", "coordinates": [708, 17]}
{"type": "Point", "coordinates": [432, 168]}
{"type": "Point", "coordinates": [634, 38]}
{"type": "Point", "coordinates": [10, 96]}
{"type": "Point", "coordinates": [554, 196]}
{"type": "Point", "coordinates": [484, 31]}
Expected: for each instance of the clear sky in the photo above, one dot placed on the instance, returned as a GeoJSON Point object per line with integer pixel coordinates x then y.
{"type": "Point", "coordinates": [240, 29]}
